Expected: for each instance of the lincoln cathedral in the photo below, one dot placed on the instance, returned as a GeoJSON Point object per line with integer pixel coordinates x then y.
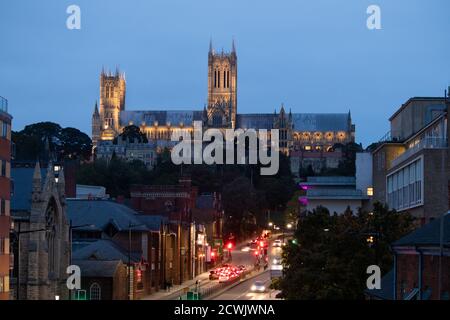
{"type": "Point", "coordinates": [299, 132]}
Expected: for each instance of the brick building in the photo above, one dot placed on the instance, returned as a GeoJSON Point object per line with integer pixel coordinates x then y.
{"type": "Point", "coordinates": [105, 230]}
{"type": "Point", "coordinates": [422, 262]}
{"type": "Point", "coordinates": [102, 280]}
{"type": "Point", "coordinates": [5, 196]}
{"type": "Point", "coordinates": [175, 202]}
{"type": "Point", "coordinates": [421, 268]}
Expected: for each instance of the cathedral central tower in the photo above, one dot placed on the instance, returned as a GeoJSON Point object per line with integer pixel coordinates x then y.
{"type": "Point", "coordinates": [106, 119]}
{"type": "Point", "coordinates": [222, 88]}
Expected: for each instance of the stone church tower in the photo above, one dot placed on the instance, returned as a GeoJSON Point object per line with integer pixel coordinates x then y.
{"type": "Point", "coordinates": [105, 122]}
{"type": "Point", "coordinates": [42, 252]}
{"type": "Point", "coordinates": [222, 88]}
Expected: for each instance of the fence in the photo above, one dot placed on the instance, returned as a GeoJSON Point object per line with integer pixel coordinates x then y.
{"type": "Point", "coordinates": [3, 104]}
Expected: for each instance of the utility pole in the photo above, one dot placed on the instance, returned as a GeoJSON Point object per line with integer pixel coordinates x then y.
{"type": "Point", "coordinates": [18, 233]}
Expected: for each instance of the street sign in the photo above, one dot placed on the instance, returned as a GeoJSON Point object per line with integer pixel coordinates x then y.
{"type": "Point", "coordinates": [191, 295]}
{"type": "Point", "coordinates": [81, 295]}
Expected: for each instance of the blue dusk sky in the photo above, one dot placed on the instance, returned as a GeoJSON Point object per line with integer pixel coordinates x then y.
{"type": "Point", "coordinates": [311, 55]}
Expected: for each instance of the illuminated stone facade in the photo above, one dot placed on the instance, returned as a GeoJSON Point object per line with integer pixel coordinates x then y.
{"type": "Point", "coordinates": [298, 131]}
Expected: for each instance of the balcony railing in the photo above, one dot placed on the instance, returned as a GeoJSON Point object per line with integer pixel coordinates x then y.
{"type": "Point", "coordinates": [331, 180]}
{"type": "Point", "coordinates": [426, 143]}
{"type": "Point", "coordinates": [335, 193]}
{"type": "Point", "coordinates": [3, 104]}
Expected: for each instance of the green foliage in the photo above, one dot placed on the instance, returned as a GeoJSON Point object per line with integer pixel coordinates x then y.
{"type": "Point", "coordinates": [41, 139]}
{"type": "Point", "coordinates": [246, 194]}
{"type": "Point", "coordinates": [133, 134]}
{"type": "Point", "coordinates": [116, 176]}
{"type": "Point", "coordinates": [332, 254]}
{"type": "Point", "coordinates": [347, 166]}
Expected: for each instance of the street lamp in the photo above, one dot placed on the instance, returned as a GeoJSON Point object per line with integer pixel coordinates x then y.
{"type": "Point", "coordinates": [289, 226]}
{"type": "Point", "coordinates": [270, 224]}
{"type": "Point", "coordinates": [18, 233]}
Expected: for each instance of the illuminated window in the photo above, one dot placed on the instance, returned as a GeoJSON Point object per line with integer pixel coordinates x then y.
{"type": "Point", "coordinates": [370, 191]}
{"type": "Point", "coordinates": [307, 148]}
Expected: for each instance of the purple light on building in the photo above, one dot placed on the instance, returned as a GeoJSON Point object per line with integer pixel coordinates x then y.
{"type": "Point", "coordinates": [303, 201]}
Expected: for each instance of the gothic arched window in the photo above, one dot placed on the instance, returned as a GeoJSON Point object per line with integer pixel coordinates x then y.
{"type": "Point", "coordinates": [228, 79]}
{"type": "Point", "coordinates": [218, 79]}
{"type": "Point", "coordinates": [51, 234]}
{"type": "Point", "coordinates": [95, 291]}
{"type": "Point", "coordinates": [224, 78]}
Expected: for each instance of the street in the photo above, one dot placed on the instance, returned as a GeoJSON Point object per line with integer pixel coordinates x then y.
{"type": "Point", "coordinates": [242, 291]}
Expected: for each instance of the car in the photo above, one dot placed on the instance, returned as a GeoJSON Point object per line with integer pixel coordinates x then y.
{"type": "Point", "coordinates": [241, 267]}
{"type": "Point", "coordinates": [277, 243]}
{"type": "Point", "coordinates": [213, 275]}
{"type": "Point", "coordinates": [258, 286]}
{"type": "Point", "coordinates": [223, 278]}
{"type": "Point", "coordinates": [276, 260]}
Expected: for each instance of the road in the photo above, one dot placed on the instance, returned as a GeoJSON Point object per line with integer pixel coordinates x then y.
{"type": "Point", "coordinates": [242, 291]}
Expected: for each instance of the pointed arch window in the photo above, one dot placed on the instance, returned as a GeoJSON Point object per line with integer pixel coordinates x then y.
{"type": "Point", "coordinates": [228, 79]}
{"type": "Point", "coordinates": [51, 235]}
{"type": "Point", "coordinates": [218, 79]}
{"type": "Point", "coordinates": [215, 78]}
{"type": "Point", "coordinates": [225, 80]}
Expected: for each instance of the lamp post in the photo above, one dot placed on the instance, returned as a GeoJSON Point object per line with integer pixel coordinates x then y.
{"type": "Point", "coordinates": [18, 233]}
{"type": "Point", "coordinates": [71, 227]}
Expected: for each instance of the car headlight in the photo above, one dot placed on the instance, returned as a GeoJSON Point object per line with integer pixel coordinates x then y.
{"type": "Point", "coordinates": [263, 288]}
{"type": "Point", "coordinates": [253, 288]}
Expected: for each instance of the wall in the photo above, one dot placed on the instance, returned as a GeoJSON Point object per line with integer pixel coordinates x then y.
{"type": "Point", "coordinates": [363, 171]}
{"type": "Point", "coordinates": [381, 162]}
{"type": "Point", "coordinates": [5, 197]}
{"type": "Point", "coordinates": [408, 274]}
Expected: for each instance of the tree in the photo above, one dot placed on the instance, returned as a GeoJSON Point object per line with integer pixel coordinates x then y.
{"type": "Point", "coordinates": [331, 253]}
{"type": "Point", "coordinates": [43, 139]}
{"type": "Point", "coordinates": [133, 134]}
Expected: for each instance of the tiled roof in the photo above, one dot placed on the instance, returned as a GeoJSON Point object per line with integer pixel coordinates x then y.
{"type": "Point", "coordinates": [387, 288]}
{"type": "Point", "coordinates": [162, 117]}
{"type": "Point", "coordinates": [104, 250]}
{"type": "Point", "coordinates": [100, 213]}
{"type": "Point", "coordinates": [428, 235]}
{"type": "Point", "coordinates": [302, 121]}
{"type": "Point", "coordinates": [153, 222]}
{"type": "Point", "coordinates": [97, 269]}
{"type": "Point", "coordinates": [255, 121]}
{"type": "Point", "coordinates": [23, 185]}
{"type": "Point", "coordinates": [321, 122]}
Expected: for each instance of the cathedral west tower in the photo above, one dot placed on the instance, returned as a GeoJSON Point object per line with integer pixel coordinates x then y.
{"type": "Point", "coordinates": [222, 88]}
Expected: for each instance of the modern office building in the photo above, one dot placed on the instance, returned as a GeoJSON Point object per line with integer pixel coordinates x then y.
{"type": "Point", "coordinates": [411, 163]}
